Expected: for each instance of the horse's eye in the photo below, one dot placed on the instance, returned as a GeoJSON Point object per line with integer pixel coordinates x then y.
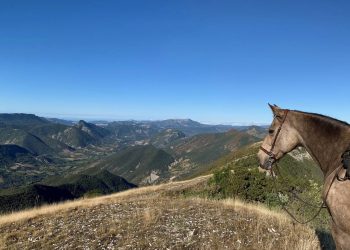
{"type": "Point", "coordinates": [271, 131]}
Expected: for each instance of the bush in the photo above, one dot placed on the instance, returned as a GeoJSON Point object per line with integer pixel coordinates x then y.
{"type": "Point", "coordinates": [245, 183]}
{"type": "Point", "coordinates": [243, 180]}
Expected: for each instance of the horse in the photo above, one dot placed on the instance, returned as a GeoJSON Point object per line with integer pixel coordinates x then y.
{"type": "Point", "coordinates": [326, 139]}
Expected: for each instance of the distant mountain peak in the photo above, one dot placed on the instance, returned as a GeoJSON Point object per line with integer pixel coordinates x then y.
{"type": "Point", "coordinates": [82, 123]}
{"type": "Point", "coordinates": [92, 129]}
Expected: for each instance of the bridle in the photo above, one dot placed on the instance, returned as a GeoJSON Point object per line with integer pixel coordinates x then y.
{"type": "Point", "coordinates": [272, 157]}
{"type": "Point", "coordinates": [273, 160]}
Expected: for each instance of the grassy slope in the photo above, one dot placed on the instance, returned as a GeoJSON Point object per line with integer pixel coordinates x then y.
{"type": "Point", "coordinates": [206, 148]}
{"type": "Point", "coordinates": [246, 157]}
{"type": "Point", "coordinates": [24, 139]}
{"type": "Point", "coordinates": [166, 137]}
{"type": "Point", "coordinates": [154, 217]}
{"type": "Point", "coordinates": [198, 153]}
{"type": "Point", "coordinates": [59, 133]}
{"type": "Point", "coordinates": [92, 129]}
{"type": "Point", "coordinates": [19, 120]}
{"type": "Point", "coordinates": [129, 130]}
{"type": "Point", "coordinates": [18, 166]}
{"type": "Point", "coordinates": [10, 154]}
{"type": "Point", "coordinates": [135, 163]}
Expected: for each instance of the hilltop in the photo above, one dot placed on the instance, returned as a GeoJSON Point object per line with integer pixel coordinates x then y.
{"type": "Point", "coordinates": [205, 148]}
{"type": "Point", "coordinates": [144, 164]}
{"type": "Point", "coordinates": [20, 120]}
{"type": "Point", "coordinates": [195, 155]}
{"type": "Point", "coordinates": [154, 217]}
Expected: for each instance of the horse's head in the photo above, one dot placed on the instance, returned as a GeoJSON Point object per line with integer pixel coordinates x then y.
{"type": "Point", "coordinates": [281, 139]}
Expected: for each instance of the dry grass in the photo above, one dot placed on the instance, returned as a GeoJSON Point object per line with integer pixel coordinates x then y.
{"type": "Point", "coordinates": [150, 218]}
{"type": "Point", "coordinates": [52, 208]}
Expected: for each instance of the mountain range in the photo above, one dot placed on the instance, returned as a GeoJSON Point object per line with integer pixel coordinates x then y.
{"type": "Point", "coordinates": [56, 155]}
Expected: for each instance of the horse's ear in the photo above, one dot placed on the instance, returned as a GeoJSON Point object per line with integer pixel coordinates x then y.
{"type": "Point", "coordinates": [277, 111]}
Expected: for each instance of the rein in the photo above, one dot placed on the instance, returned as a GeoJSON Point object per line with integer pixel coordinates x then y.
{"type": "Point", "coordinates": [323, 204]}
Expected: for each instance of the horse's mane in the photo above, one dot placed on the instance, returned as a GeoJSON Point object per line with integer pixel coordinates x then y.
{"type": "Point", "coordinates": [325, 125]}
{"type": "Point", "coordinates": [324, 118]}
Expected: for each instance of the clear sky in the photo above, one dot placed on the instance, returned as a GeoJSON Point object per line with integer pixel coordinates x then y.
{"type": "Point", "coordinates": [212, 61]}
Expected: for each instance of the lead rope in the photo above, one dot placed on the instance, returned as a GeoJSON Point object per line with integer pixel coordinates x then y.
{"type": "Point", "coordinates": [323, 205]}
{"type": "Point", "coordinates": [295, 195]}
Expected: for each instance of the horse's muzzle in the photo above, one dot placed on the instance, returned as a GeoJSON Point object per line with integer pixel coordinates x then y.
{"type": "Point", "coordinates": [268, 164]}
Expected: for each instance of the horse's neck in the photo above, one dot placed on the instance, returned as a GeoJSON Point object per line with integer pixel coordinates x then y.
{"type": "Point", "coordinates": [323, 144]}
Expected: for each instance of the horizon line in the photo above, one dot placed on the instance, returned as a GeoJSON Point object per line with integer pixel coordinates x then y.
{"type": "Point", "coordinates": [90, 118]}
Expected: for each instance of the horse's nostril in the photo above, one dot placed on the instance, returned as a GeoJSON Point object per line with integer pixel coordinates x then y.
{"type": "Point", "coordinates": [263, 166]}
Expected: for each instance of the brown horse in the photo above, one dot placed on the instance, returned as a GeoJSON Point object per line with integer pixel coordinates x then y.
{"type": "Point", "coordinates": [326, 139]}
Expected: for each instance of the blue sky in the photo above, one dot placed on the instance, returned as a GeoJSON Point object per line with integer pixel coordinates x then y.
{"type": "Point", "coordinates": [212, 61]}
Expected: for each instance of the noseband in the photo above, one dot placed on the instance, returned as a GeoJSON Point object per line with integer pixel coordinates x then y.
{"type": "Point", "coordinates": [272, 156]}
